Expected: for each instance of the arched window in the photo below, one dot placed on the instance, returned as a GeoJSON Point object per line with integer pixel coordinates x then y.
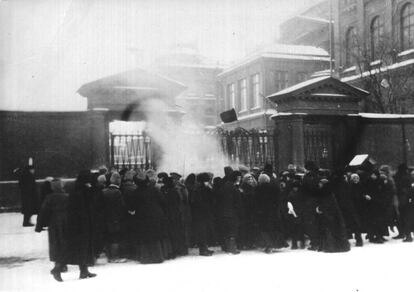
{"type": "Point", "coordinates": [407, 26]}
{"type": "Point", "coordinates": [377, 30]}
{"type": "Point", "coordinates": [350, 47]}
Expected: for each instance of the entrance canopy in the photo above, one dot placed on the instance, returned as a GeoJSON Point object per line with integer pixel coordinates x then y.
{"type": "Point", "coordinates": [322, 95]}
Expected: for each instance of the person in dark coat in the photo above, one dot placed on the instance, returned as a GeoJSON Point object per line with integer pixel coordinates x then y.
{"type": "Point", "coordinates": [310, 189]}
{"type": "Point", "coordinates": [346, 203]}
{"type": "Point", "coordinates": [176, 232]}
{"type": "Point", "coordinates": [53, 214]}
{"type": "Point", "coordinates": [81, 238]}
{"type": "Point", "coordinates": [151, 217]}
{"type": "Point", "coordinates": [128, 190]}
{"type": "Point", "coordinates": [248, 231]}
{"type": "Point", "coordinates": [408, 212]}
{"type": "Point", "coordinates": [184, 209]}
{"type": "Point", "coordinates": [202, 213]}
{"type": "Point", "coordinates": [403, 187]}
{"type": "Point", "coordinates": [114, 212]}
{"type": "Point", "coordinates": [98, 185]}
{"type": "Point", "coordinates": [375, 218]}
{"type": "Point", "coordinates": [45, 189]}
{"type": "Point", "coordinates": [266, 213]}
{"type": "Point", "coordinates": [295, 217]}
{"type": "Point", "coordinates": [228, 211]}
{"type": "Point", "coordinates": [332, 230]}
{"type": "Point", "coordinates": [29, 195]}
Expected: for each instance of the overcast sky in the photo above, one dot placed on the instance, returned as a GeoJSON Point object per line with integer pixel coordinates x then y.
{"type": "Point", "coordinates": [49, 48]}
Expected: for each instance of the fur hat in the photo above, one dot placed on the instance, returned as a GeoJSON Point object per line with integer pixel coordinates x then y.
{"type": "Point", "coordinates": [263, 178]}
{"type": "Point", "coordinates": [115, 179]}
{"type": "Point", "coordinates": [203, 177]}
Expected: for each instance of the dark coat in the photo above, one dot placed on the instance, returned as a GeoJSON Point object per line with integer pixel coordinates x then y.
{"type": "Point", "coordinates": [266, 208]}
{"type": "Point", "coordinates": [130, 198]}
{"type": "Point", "coordinates": [29, 194]}
{"type": "Point", "coordinates": [175, 225]}
{"type": "Point", "coordinates": [344, 196]}
{"type": "Point", "coordinates": [202, 215]}
{"type": "Point", "coordinates": [114, 213]}
{"type": "Point", "coordinates": [357, 192]}
{"type": "Point", "coordinates": [332, 230]}
{"type": "Point", "coordinates": [53, 214]}
{"type": "Point", "coordinates": [310, 193]}
{"type": "Point", "coordinates": [81, 231]}
{"type": "Point", "coordinates": [150, 214]}
{"type": "Point", "coordinates": [228, 209]}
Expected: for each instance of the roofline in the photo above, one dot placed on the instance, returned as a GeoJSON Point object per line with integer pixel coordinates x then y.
{"type": "Point", "coordinates": [270, 55]}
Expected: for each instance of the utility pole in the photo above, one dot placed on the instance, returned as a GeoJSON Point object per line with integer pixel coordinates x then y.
{"type": "Point", "coordinates": [330, 40]}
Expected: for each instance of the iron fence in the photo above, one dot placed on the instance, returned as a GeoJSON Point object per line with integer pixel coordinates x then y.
{"type": "Point", "coordinates": [131, 151]}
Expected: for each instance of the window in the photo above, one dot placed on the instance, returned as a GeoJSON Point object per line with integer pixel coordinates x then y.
{"type": "Point", "coordinates": [407, 27]}
{"type": "Point", "coordinates": [281, 80]}
{"type": "Point", "coordinates": [255, 82]}
{"type": "Point", "coordinates": [231, 97]}
{"type": "Point", "coordinates": [351, 49]}
{"type": "Point", "coordinates": [377, 29]}
{"type": "Point", "coordinates": [301, 76]}
{"type": "Point", "coordinates": [243, 94]}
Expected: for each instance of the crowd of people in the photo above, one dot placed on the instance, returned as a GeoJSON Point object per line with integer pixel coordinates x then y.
{"type": "Point", "coordinates": [152, 217]}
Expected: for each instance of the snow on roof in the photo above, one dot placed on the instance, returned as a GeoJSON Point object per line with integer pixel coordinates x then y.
{"type": "Point", "coordinates": [378, 70]}
{"type": "Point", "coordinates": [296, 50]}
{"type": "Point", "coordinates": [358, 159]}
{"type": "Point", "coordinates": [384, 116]}
{"type": "Point", "coordinates": [316, 19]}
{"type": "Point", "coordinates": [282, 51]}
{"type": "Point", "coordinates": [300, 85]}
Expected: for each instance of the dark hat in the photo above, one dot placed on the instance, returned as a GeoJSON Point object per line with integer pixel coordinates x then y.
{"type": "Point", "coordinates": [203, 177]}
{"type": "Point", "coordinates": [162, 175]}
{"type": "Point", "coordinates": [228, 170]}
{"type": "Point", "coordinates": [175, 175]}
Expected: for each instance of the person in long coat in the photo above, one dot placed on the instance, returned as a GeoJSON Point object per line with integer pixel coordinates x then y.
{"type": "Point", "coordinates": [346, 202]}
{"type": "Point", "coordinates": [267, 215]}
{"type": "Point", "coordinates": [228, 211]}
{"type": "Point", "coordinates": [332, 231]}
{"type": "Point", "coordinates": [149, 208]}
{"type": "Point", "coordinates": [114, 212]}
{"type": "Point", "coordinates": [202, 213]}
{"type": "Point", "coordinates": [29, 195]}
{"type": "Point", "coordinates": [403, 186]}
{"type": "Point", "coordinates": [408, 208]}
{"type": "Point", "coordinates": [248, 231]}
{"type": "Point", "coordinates": [176, 232]}
{"type": "Point", "coordinates": [128, 190]}
{"type": "Point", "coordinates": [310, 190]}
{"type": "Point", "coordinates": [295, 219]}
{"type": "Point", "coordinates": [81, 238]}
{"type": "Point", "coordinates": [53, 214]}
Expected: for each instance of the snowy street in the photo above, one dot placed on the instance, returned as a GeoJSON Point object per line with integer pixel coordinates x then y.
{"type": "Point", "coordinates": [24, 266]}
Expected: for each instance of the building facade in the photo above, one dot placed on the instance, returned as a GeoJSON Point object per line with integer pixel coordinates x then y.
{"type": "Point", "coordinates": [308, 27]}
{"type": "Point", "coordinates": [245, 85]}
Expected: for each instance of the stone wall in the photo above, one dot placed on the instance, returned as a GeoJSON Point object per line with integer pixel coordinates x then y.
{"type": "Point", "coordinates": [60, 143]}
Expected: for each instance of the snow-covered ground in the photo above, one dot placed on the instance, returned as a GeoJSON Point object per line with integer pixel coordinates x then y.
{"type": "Point", "coordinates": [24, 266]}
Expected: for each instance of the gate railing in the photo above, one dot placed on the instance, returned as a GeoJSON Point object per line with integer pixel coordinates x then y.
{"type": "Point", "coordinates": [131, 151]}
{"type": "Point", "coordinates": [250, 148]}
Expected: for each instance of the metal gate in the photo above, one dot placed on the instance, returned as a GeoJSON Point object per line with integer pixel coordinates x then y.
{"type": "Point", "coordinates": [131, 151]}
{"type": "Point", "coordinates": [250, 148]}
{"type": "Point", "coordinates": [318, 145]}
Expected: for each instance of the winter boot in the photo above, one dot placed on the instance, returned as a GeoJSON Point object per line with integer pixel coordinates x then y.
{"type": "Point", "coordinates": [358, 239]}
{"type": "Point", "coordinates": [84, 272]}
{"type": "Point", "coordinates": [56, 272]}
{"type": "Point", "coordinates": [408, 238]}
{"type": "Point", "coordinates": [231, 246]}
{"type": "Point", "coordinates": [204, 251]}
{"type": "Point", "coordinates": [294, 244]}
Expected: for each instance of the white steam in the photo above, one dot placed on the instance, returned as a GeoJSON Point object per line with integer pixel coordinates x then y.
{"type": "Point", "coordinates": [186, 147]}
